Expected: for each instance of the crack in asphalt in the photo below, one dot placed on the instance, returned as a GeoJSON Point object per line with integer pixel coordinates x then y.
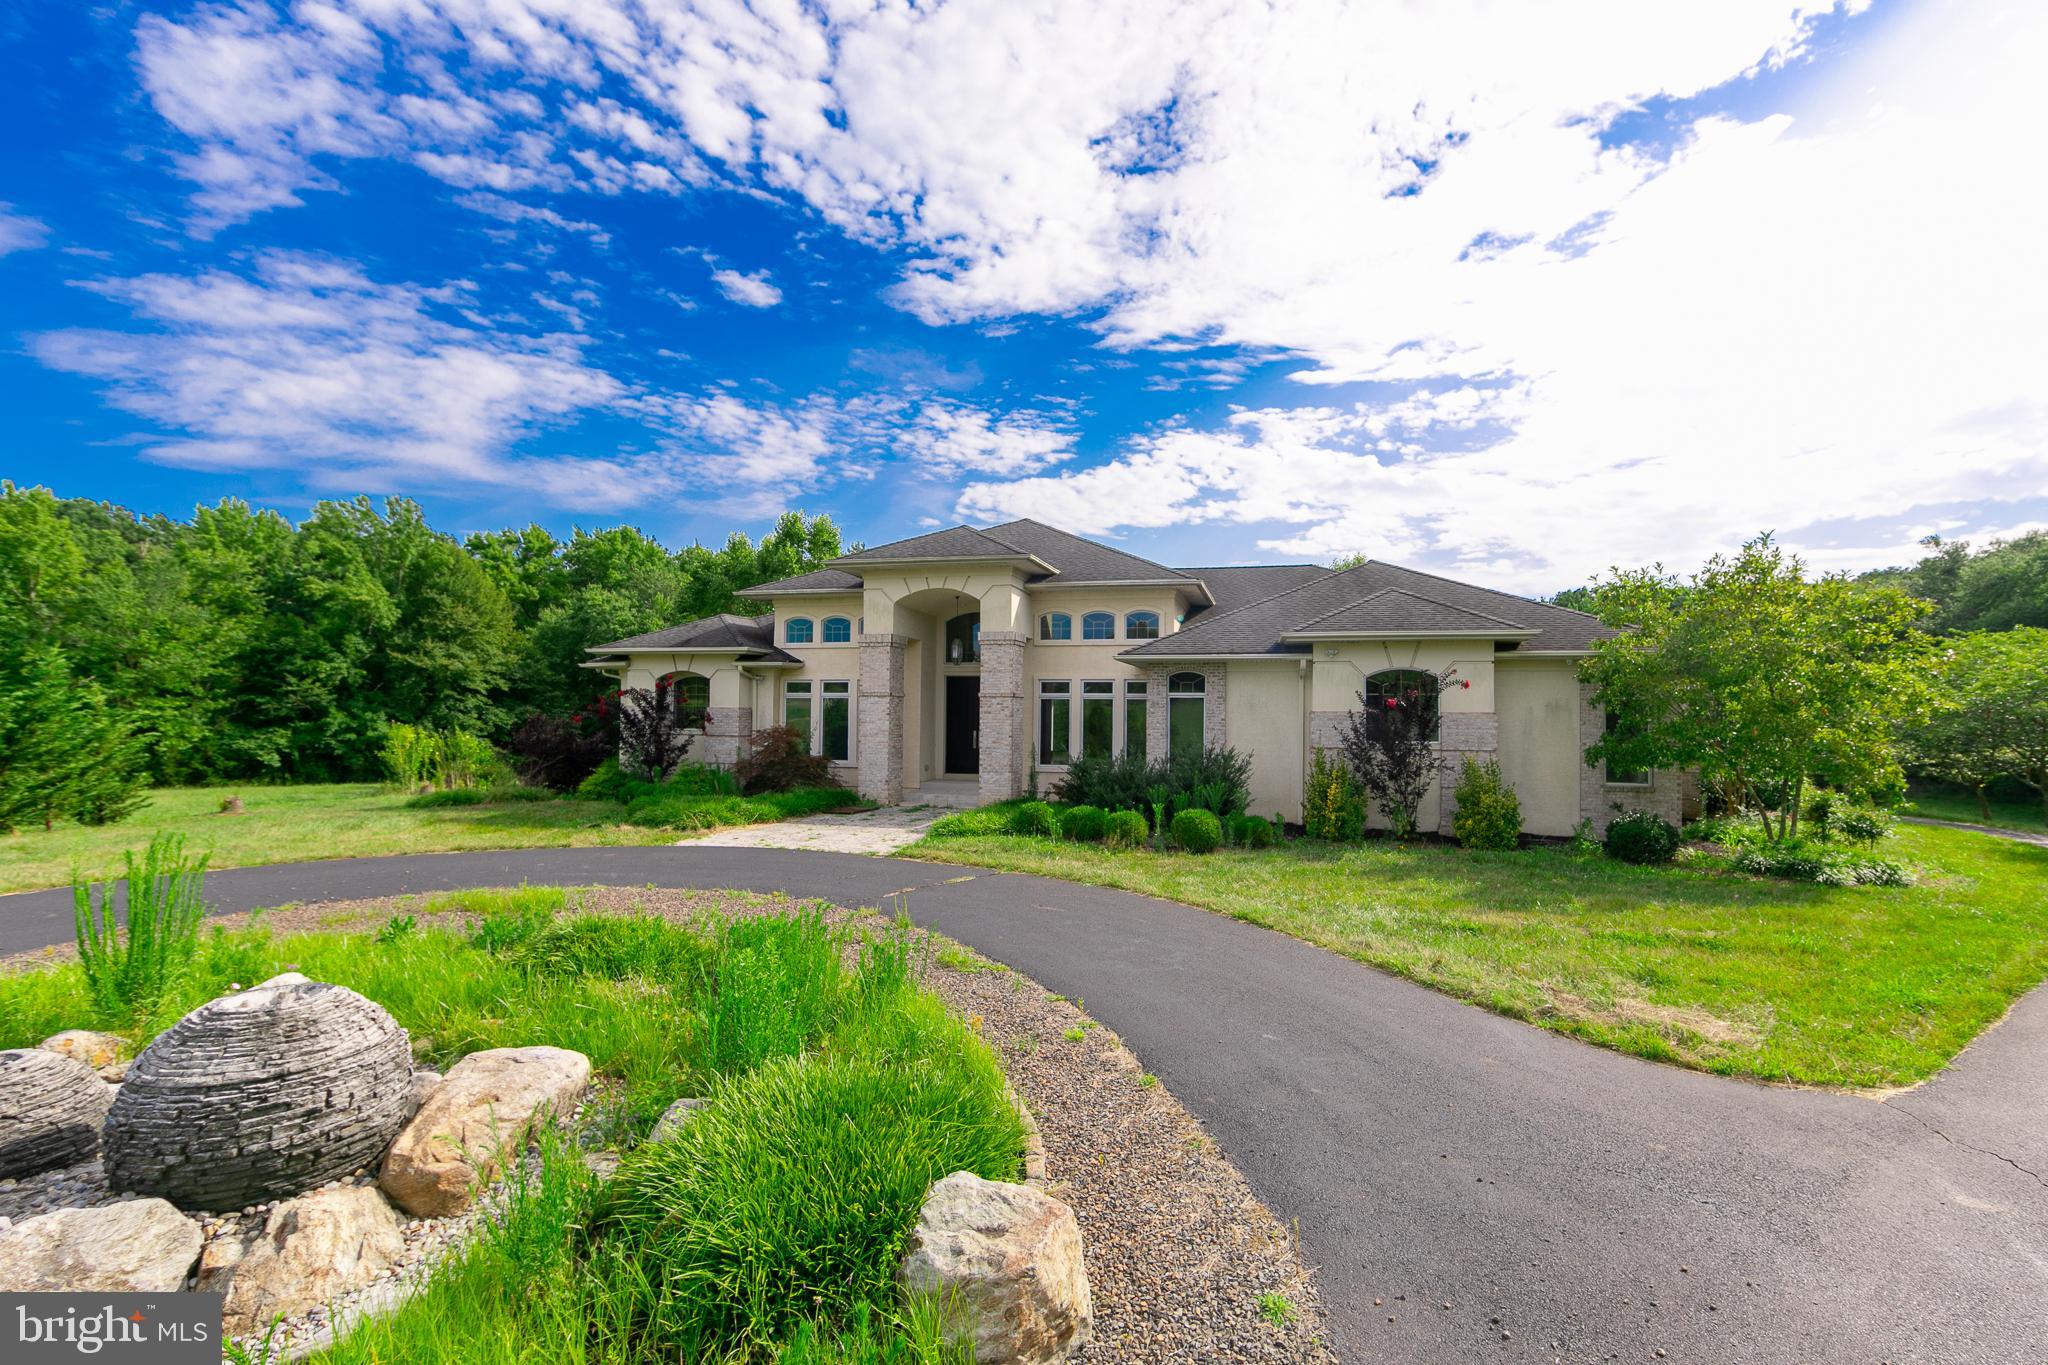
{"type": "Point", "coordinates": [1930, 1126]}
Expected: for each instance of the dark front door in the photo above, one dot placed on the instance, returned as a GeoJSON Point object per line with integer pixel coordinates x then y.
{"type": "Point", "coordinates": [963, 725]}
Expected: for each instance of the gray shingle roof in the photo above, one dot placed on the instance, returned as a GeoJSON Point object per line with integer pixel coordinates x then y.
{"type": "Point", "coordinates": [1078, 560]}
{"type": "Point", "coordinates": [955, 542]}
{"type": "Point", "coordinates": [752, 635]}
{"type": "Point", "coordinates": [1236, 585]}
{"type": "Point", "coordinates": [1259, 627]}
{"type": "Point", "coordinates": [1394, 610]}
{"type": "Point", "coordinates": [818, 580]}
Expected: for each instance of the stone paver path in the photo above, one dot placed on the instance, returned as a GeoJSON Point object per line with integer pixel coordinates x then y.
{"type": "Point", "coordinates": [881, 831]}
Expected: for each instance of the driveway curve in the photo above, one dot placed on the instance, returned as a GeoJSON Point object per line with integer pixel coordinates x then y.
{"type": "Point", "coordinates": [1469, 1188]}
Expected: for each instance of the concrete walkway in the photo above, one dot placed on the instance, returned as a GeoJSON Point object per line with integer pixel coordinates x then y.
{"type": "Point", "coordinates": [1996, 831]}
{"type": "Point", "coordinates": [1468, 1187]}
{"type": "Point", "coordinates": [881, 831]}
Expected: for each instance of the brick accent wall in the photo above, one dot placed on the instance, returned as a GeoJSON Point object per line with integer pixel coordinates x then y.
{"type": "Point", "coordinates": [1598, 797]}
{"type": "Point", "coordinates": [1215, 716]}
{"type": "Point", "coordinates": [1464, 734]}
{"type": "Point", "coordinates": [881, 717]}
{"type": "Point", "coordinates": [726, 729]}
{"type": "Point", "coordinates": [1002, 715]}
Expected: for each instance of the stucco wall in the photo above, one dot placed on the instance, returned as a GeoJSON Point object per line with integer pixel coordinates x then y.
{"type": "Point", "coordinates": [1538, 704]}
{"type": "Point", "coordinates": [732, 700]}
{"type": "Point", "coordinates": [1466, 705]}
{"type": "Point", "coordinates": [1264, 721]}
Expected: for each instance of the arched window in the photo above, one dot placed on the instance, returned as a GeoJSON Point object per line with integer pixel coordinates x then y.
{"type": "Point", "coordinates": [1141, 625]}
{"type": "Point", "coordinates": [838, 630]}
{"type": "Point", "coordinates": [1056, 625]}
{"type": "Point", "coordinates": [1098, 625]}
{"type": "Point", "coordinates": [797, 631]}
{"type": "Point", "coordinates": [1406, 691]}
{"type": "Point", "coordinates": [1186, 704]}
{"type": "Point", "coordinates": [690, 694]}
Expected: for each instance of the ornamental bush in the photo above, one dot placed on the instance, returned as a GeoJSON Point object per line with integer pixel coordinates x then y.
{"type": "Point", "coordinates": [779, 759]}
{"type": "Point", "coordinates": [1124, 829]}
{"type": "Point", "coordinates": [1640, 836]}
{"type": "Point", "coordinates": [1036, 818]}
{"type": "Point", "coordinates": [1332, 802]}
{"type": "Point", "coordinates": [1864, 827]}
{"type": "Point", "coordinates": [1252, 831]}
{"type": "Point", "coordinates": [1489, 815]}
{"type": "Point", "coordinates": [1083, 824]}
{"type": "Point", "coordinates": [1198, 831]}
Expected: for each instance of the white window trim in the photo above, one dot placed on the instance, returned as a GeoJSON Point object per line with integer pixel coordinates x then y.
{"type": "Point", "coordinates": [1124, 698]}
{"type": "Point", "coordinates": [1080, 729]}
{"type": "Point", "coordinates": [1114, 632]}
{"type": "Point", "coordinates": [1045, 625]}
{"type": "Point", "coordinates": [815, 692]}
{"type": "Point", "coordinates": [1038, 698]}
{"type": "Point", "coordinates": [809, 621]}
{"type": "Point", "coordinates": [852, 633]}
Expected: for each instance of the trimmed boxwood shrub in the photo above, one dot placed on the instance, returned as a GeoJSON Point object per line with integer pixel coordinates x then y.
{"type": "Point", "coordinates": [1124, 829]}
{"type": "Point", "coordinates": [1251, 831]}
{"type": "Point", "coordinates": [1083, 824]}
{"type": "Point", "coordinates": [1036, 818]}
{"type": "Point", "coordinates": [1639, 836]}
{"type": "Point", "coordinates": [1489, 815]}
{"type": "Point", "coordinates": [1197, 831]}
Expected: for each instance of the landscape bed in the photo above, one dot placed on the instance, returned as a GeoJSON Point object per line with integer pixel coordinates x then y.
{"type": "Point", "coordinates": [1692, 963]}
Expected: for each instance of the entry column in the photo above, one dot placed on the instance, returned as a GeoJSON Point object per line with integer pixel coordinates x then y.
{"type": "Point", "coordinates": [881, 717]}
{"type": "Point", "coordinates": [1002, 715]}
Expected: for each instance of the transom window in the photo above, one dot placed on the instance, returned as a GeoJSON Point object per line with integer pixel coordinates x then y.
{"type": "Point", "coordinates": [797, 630]}
{"type": "Point", "coordinates": [1098, 625]}
{"type": "Point", "coordinates": [690, 694]}
{"type": "Point", "coordinates": [838, 630]}
{"type": "Point", "coordinates": [1408, 691]}
{"type": "Point", "coordinates": [1186, 712]}
{"type": "Point", "coordinates": [1141, 625]}
{"type": "Point", "coordinates": [1055, 625]}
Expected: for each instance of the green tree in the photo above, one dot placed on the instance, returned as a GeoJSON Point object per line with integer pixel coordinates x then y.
{"type": "Point", "coordinates": [1992, 717]}
{"type": "Point", "coordinates": [1762, 678]}
{"type": "Point", "coordinates": [2003, 585]}
{"type": "Point", "coordinates": [64, 753]}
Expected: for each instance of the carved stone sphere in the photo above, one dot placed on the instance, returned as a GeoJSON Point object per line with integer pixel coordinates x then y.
{"type": "Point", "coordinates": [260, 1096]}
{"type": "Point", "coordinates": [51, 1108]}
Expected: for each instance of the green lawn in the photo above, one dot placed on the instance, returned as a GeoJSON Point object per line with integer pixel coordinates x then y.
{"type": "Point", "coordinates": [1697, 965]}
{"type": "Point", "coordinates": [1944, 804]}
{"type": "Point", "coordinates": [291, 824]}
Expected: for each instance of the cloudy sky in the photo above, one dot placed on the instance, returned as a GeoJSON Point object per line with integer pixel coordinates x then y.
{"type": "Point", "coordinates": [1513, 292]}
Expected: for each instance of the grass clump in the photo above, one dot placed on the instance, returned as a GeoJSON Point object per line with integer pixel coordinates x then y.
{"type": "Point", "coordinates": [478, 796]}
{"type": "Point", "coordinates": [1276, 1308]}
{"type": "Point", "coordinates": [669, 809]}
{"type": "Point", "coordinates": [129, 968]}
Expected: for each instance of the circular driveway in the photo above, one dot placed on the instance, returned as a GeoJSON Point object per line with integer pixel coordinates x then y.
{"type": "Point", "coordinates": [1565, 1202]}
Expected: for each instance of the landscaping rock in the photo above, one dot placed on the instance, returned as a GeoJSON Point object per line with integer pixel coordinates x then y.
{"type": "Point", "coordinates": [142, 1246]}
{"type": "Point", "coordinates": [1005, 1264]}
{"type": "Point", "coordinates": [260, 1095]}
{"type": "Point", "coordinates": [482, 1111]}
{"type": "Point", "coordinates": [106, 1053]}
{"type": "Point", "coordinates": [309, 1251]}
{"type": "Point", "coordinates": [423, 1084]}
{"type": "Point", "coordinates": [674, 1119]}
{"type": "Point", "coordinates": [51, 1109]}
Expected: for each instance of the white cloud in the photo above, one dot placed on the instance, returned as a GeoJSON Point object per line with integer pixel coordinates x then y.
{"type": "Point", "coordinates": [19, 232]}
{"type": "Point", "coordinates": [754, 291]}
{"type": "Point", "coordinates": [950, 439]}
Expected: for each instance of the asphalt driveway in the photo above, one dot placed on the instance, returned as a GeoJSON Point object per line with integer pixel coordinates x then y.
{"type": "Point", "coordinates": [1566, 1203]}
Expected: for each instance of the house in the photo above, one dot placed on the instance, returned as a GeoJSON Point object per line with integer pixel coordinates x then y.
{"type": "Point", "coordinates": [969, 659]}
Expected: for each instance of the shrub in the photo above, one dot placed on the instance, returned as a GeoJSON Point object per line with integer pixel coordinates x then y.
{"type": "Point", "coordinates": [652, 740]}
{"type": "Point", "coordinates": [1252, 831]}
{"type": "Point", "coordinates": [1865, 827]}
{"type": "Point", "coordinates": [1197, 831]}
{"type": "Point", "coordinates": [1820, 813]}
{"type": "Point", "coordinates": [609, 782]}
{"type": "Point", "coordinates": [1796, 860]}
{"type": "Point", "coordinates": [779, 759]}
{"type": "Point", "coordinates": [1082, 824]}
{"type": "Point", "coordinates": [1488, 815]}
{"type": "Point", "coordinates": [411, 754]}
{"type": "Point", "coordinates": [1035, 818]}
{"type": "Point", "coordinates": [128, 972]}
{"type": "Point", "coordinates": [1118, 783]}
{"type": "Point", "coordinates": [1639, 836]}
{"type": "Point", "coordinates": [1332, 802]}
{"type": "Point", "coordinates": [1218, 780]}
{"type": "Point", "coordinates": [1123, 829]}
{"type": "Point", "coordinates": [1390, 747]}
{"type": "Point", "coordinates": [701, 779]}
{"type": "Point", "coordinates": [560, 752]}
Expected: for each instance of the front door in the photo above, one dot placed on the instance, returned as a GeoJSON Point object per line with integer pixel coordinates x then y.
{"type": "Point", "coordinates": [963, 724]}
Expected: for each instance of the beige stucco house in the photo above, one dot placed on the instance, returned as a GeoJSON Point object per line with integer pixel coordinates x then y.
{"type": "Point", "coordinates": [965, 659]}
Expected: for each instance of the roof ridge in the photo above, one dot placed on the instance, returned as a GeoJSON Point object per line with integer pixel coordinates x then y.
{"type": "Point", "coordinates": [1197, 568]}
{"type": "Point", "coordinates": [1210, 618]}
{"type": "Point", "coordinates": [1419, 597]}
{"type": "Point", "coordinates": [1061, 531]}
{"type": "Point", "coordinates": [1477, 587]}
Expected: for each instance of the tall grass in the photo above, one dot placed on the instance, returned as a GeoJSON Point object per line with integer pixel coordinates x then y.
{"type": "Point", "coordinates": [129, 972]}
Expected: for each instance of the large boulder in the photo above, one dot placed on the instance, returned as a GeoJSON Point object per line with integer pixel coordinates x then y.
{"type": "Point", "coordinates": [106, 1053]}
{"type": "Point", "coordinates": [309, 1251]}
{"type": "Point", "coordinates": [1004, 1263]}
{"type": "Point", "coordinates": [142, 1246]}
{"type": "Point", "coordinates": [258, 1096]}
{"type": "Point", "coordinates": [482, 1111]}
{"type": "Point", "coordinates": [51, 1109]}
{"type": "Point", "coordinates": [674, 1119]}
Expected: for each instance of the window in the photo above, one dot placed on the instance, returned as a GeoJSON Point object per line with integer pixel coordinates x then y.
{"type": "Point", "coordinates": [1185, 700]}
{"type": "Point", "coordinates": [1134, 719]}
{"type": "Point", "coordinates": [1623, 777]}
{"type": "Point", "coordinates": [796, 709]}
{"type": "Point", "coordinates": [1408, 690]}
{"type": "Point", "coordinates": [838, 630]}
{"type": "Point", "coordinates": [797, 631]}
{"type": "Point", "coordinates": [1055, 719]}
{"type": "Point", "coordinates": [1056, 625]}
{"type": "Point", "coordinates": [1098, 625]}
{"type": "Point", "coordinates": [690, 693]}
{"type": "Point", "coordinates": [835, 723]}
{"type": "Point", "coordinates": [1141, 625]}
{"type": "Point", "coordinates": [1098, 719]}
{"type": "Point", "coordinates": [963, 639]}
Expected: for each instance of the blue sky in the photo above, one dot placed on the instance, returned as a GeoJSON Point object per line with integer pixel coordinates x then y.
{"type": "Point", "coordinates": [1507, 296]}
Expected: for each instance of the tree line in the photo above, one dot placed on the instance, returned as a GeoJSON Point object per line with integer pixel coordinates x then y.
{"type": "Point", "coordinates": [239, 645]}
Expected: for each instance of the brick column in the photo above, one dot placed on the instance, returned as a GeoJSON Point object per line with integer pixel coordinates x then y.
{"type": "Point", "coordinates": [1002, 715]}
{"type": "Point", "coordinates": [881, 717]}
{"type": "Point", "coordinates": [1463, 735]}
{"type": "Point", "coordinates": [726, 731]}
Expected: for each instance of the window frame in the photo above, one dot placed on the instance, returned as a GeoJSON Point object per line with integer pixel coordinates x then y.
{"type": "Point", "coordinates": [1100, 691]}
{"type": "Point", "coordinates": [825, 630]}
{"type": "Point", "coordinates": [1136, 691]}
{"type": "Point", "coordinates": [1055, 627]}
{"type": "Point", "coordinates": [669, 684]}
{"type": "Point", "coordinates": [1050, 691]}
{"type": "Point", "coordinates": [1374, 693]}
{"type": "Point", "coordinates": [1177, 691]}
{"type": "Point", "coordinates": [1152, 617]}
{"type": "Point", "coordinates": [832, 690]}
{"type": "Point", "coordinates": [791, 689]}
{"type": "Point", "coordinates": [789, 635]}
{"type": "Point", "coordinates": [1106, 620]}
